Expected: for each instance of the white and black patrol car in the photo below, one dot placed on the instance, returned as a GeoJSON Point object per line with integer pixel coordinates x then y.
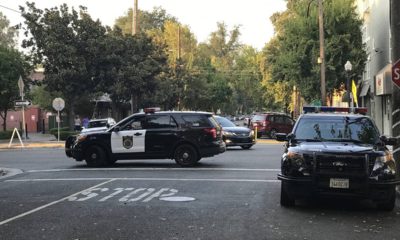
{"type": "Point", "coordinates": [184, 136]}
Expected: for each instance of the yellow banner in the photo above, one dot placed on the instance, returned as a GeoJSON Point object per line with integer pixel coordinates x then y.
{"type": "Point", "coordinates": [354, 91]}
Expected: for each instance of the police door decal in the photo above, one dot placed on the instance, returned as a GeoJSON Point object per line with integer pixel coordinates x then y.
{"type": "Point", "coordinates": [130, 141]}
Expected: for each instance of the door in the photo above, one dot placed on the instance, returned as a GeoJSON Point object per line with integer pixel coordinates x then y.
{"type": "Point", "coordinates": [130, 138]}
{"type": "Point", "coordinates": [161, 134]}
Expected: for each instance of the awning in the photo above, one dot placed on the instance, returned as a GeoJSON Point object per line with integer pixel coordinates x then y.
{"type": "Point", "coordinates": [364, 89]}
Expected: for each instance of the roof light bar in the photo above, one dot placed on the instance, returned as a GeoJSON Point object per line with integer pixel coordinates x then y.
{"type": "Point", "coordinates": [151, 109]}
{"type": "Point", "coordinates": [313, 109]}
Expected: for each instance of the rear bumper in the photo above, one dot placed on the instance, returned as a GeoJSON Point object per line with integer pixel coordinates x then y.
{"type": "Point", "coordinates": [305, 187]}
{"type": "Point", "coordinates": [214, 149]}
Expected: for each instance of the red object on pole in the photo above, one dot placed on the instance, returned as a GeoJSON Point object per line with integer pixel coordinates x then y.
{"type": "Point", "coordinates": [396, 73]}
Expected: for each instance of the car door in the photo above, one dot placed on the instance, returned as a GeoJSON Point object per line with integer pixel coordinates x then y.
{"type": "Point", "coordinates": [131, 137]}
{"type": "Point", "coordinates": [161, 134]}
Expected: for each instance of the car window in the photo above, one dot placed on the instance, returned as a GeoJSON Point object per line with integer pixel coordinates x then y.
{"type": "Point", "coordinates": [160, 121]}
{"type": "Point", "coordinates": [338, 129]}
{"type": "Point", "coordinates": [196, 120]}
{"type": "Point", "coordinates": [288, 121]}
{"type": "Point", "coordinates": [136, 123]}
{"type": "Point", "coordinates": [258, 118]}
{"type": "Point", "coordinates": [95, 124]}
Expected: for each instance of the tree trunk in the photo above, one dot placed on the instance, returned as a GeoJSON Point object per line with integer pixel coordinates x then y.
{"type": "Point", "coordinates": [4, 117]}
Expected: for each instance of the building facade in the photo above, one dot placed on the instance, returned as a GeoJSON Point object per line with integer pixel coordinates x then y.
{"type": "Point", "coordinates": [376, 86]}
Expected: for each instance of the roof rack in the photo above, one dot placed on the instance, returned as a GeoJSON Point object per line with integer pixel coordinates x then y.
{"type": "Point", "coordinates": [318, 109]}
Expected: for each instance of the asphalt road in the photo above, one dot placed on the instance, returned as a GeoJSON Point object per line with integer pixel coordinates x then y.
{"type": "Point", "coordinates": [231, 196]}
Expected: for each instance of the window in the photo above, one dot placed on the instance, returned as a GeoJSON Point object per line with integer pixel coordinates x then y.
{"type": "Point", "coordinates": [136, 123]}
{"type": "Point", "coordinates": [196, 120]}
{"type": "Point", "coordinates": [157, 121]}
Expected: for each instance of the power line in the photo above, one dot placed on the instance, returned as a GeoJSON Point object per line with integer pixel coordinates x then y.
{"type": "Point", "coordinates": [11, 9]}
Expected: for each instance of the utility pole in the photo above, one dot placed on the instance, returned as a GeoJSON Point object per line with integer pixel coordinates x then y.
{"type": "Point", "coordinates": [135, 19]}
{"type": "Point", "coordinates": [135, 30]}
{"type": "Point", "coordinates": [322, 51]}
{"type": "Point", "coordinates": [395, 44]}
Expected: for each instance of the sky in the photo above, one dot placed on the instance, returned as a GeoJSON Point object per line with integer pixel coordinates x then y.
{"type": "Point", "coordinates": [200, 15]}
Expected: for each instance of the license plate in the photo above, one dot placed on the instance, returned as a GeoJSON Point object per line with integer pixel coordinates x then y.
{"type": "Point", "coordinates": [339, 183]}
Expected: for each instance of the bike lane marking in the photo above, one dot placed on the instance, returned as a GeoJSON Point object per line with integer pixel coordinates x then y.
{"type": "Point", "coordinates": [53, 203]}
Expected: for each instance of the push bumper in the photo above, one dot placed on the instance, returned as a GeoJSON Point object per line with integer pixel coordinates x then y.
{"type": "Point", "coordinates": [302, 187]}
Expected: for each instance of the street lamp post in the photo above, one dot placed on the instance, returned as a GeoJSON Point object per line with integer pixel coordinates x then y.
{"type": "Point", "coordinates": [348, 67]}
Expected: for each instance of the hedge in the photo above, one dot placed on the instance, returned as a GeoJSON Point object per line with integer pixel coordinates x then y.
{"type": "Point", "coordinates": [65, 134]}
{"type": "Point", "coordinates": [7, 134]}
{"type": "Point", "coordinates": [55, 130]}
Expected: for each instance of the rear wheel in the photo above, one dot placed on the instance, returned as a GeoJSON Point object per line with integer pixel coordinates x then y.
{"type": "Point", "coordinates": [389, 203]}
{"type": "Point", "coordinates": [96, 157]}
{"type": "Point", "coordinates": [286, 200]}
{"type": "Point", "coordinates": [186, 156]}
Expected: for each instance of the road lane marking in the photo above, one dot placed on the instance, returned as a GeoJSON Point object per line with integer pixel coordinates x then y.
{"type": "Point", "coordinates": [52, 203]}
{"type": "Point", "coordinates": [159, 169]}
{"type": "Point", "coordinates": [147, 179]}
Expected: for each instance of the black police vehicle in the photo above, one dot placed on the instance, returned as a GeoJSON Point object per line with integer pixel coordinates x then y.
{"type": "Point", "coordinates": [184, 136]}
{"type": "Point", "coordinates": [336, 154]}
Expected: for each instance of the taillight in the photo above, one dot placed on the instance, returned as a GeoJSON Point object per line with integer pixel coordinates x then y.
{"type": "Point", "coordinates": [264, 123]}
{"type": "Point", "coordinates": [211, 131]}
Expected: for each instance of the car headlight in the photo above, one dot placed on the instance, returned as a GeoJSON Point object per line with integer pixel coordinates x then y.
{"type": "Point", "coordinates": [252, 133]}
{"type": "Point", "coordinates": [294, 164]}
{"type": "Point", "coordinates": [226, 133]}
{"type": "Point", "coordinates": [384, 167]}
{"type": "Point", "coordinates": [81, 138]}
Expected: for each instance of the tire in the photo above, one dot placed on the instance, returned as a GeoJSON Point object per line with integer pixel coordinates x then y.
{"type": "Point", "coordinates": [96, 157]}
{"type": "Point", "coordinates": [246, 146]}
{"type": "Point", "coordinates": [389, 203]}
{"type": "Point", "coordinates": [286, 200]}
{"type": "Point", "coordinates": [186, 155]}
{"type": "Point", "coordinates": [272, 133]}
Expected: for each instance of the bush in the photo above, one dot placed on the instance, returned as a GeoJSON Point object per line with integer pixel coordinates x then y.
{"type": "Point", "coordinates": [55, 130]}
{"type": "Point", "coordinates": [7, 134]}
{"type": "Point", "coordinates": [65, 134]}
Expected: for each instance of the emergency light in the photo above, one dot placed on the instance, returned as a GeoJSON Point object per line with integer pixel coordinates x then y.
{"type": "Point", "coordinates": [314, 109]}
{"type": "Point", "coordinates": [151, 109]}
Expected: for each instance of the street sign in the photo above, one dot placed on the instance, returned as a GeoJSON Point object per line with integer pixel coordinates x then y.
{"type": "Point", "coordinates": [20, 103]}
{"type": "Point", "coordinates": [58, 104]}
{"type": "Point", "coordinates": [396, 73]}
{"type": "Point", "coordinates": [21, 86]}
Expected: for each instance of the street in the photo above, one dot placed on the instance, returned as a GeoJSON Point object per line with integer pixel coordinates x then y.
{"type": "Point", "coordinates": [234, 195]}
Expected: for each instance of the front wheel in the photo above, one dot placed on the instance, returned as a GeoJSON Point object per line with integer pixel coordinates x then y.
{"type": "Point", "coordinates": [389, 203]}
{"type": "Point", "coordinates": [186, 156]}
{"type": "Point", "coordinates": [96, 157]}
{"type": "Point", "coordinates": [286, 199]}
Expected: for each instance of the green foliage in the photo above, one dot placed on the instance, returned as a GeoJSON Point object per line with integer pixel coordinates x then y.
{"type": "Point", "coordinates": [54, 131]}
{"type": "Point", "coordinates": [292, 55]}
{"type": "Point", "coordinates": [8, 133]}
{"type": "Point", "coordinates": [7, 33]}
{"type": "Point", "coordinates": [64, 134]}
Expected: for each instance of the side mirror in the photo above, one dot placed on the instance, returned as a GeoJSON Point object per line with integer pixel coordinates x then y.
{"type": "Point", "coordinates": [281, 137]}
{"type": "Point", "coordinates": [116, 129]}
{"type": "Point", "coordinates": [391, 141]}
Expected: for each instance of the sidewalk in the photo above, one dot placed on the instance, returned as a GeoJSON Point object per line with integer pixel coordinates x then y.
{"type": "Point", "coordinates": [35, 140]}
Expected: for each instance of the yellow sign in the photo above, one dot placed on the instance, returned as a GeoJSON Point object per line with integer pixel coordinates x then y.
{"type": "Point", "coordinates": [354, 91]}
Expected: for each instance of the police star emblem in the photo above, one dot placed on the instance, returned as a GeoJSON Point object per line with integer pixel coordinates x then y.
{"type": "Point", "coordinates": [127, 142]}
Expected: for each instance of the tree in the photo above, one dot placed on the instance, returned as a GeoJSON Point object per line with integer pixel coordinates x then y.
{"type": "Point", "coordinates": [66, 43]}
{"type": "Point", "coordinates": [12, 66]}
{"type": "Point", "coordinates": [291, 56]}
{"type": "Point", "coordinates": [7, 33]}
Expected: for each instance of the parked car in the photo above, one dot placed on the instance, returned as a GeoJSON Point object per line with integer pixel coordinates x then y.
{"type": "Point", "coordinates": [95, 125]}
{"type": "Point", "coordinates": [234, 135]}
{"type": "Point", "coordinates": [184, 136]}
{"type": "Point", "coordinates": [271, 123]}
{"type": "Point", "coordinates": [340, 155]}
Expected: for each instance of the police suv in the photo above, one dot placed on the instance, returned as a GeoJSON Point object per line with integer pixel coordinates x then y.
{"type": "Point", "coordinates": [336, 154]}
{"type": "Point", "coordinates": [184, 136]}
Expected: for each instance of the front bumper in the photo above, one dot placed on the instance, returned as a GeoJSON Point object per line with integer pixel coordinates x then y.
{"type": "Point", "coordinates": [303, 187]}
{"type": "Point", "coordinates": [239, 141]}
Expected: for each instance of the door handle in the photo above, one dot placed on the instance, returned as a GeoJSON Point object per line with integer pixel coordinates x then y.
{"type": "Point", "coordinates": [138, 134]}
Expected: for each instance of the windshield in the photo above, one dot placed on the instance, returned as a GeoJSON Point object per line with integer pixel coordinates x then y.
{"type": "Point", "coordinates": [360, 130]}
{"type": "Point", "coordinates": [100, 123]}
{"type": "Point", "coordinates": [225, 122]}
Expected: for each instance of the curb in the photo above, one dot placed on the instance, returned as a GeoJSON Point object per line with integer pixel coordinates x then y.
{"type": "Point", "coordinates": [268, 141]}
{"type": "Point", "coordinates": [9, 172]}
{"type": "Point", "coordinates": [34, 145]}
